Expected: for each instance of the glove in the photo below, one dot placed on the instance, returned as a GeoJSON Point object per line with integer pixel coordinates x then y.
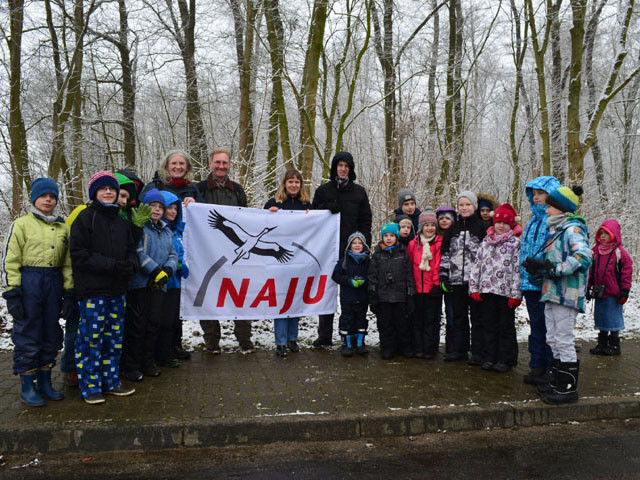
{"type": "Point", "coordinates": [184, 270]}
{"type": "Point", "coordinates": [436, 291]}
{"type": "Point", "coordinates": [70, 306]}
{"type": "Point", "coordinates": [157, 278]}
{"type": "Point", "coordinates": [476, 297]}
{"type": "Point", "coordinates": [356, 282]}
{"type": "Point", "coordinates": [514, 303]}
{"type": "Point", "coordinates": [622, 297]}
{"type": "Point", "coordinates": [168, 271]}
{"type": "Point", "coordinates": [445, 285]}
{"type": "Point", "coordinates": [535, 266]}
{"type": "Point", "coordinates": [14, 303]}
{"type": "Point", "coordinates": [123, 269]}
{"type": "Point", "coordinates": [140, 215]}
{"type": "Point", "coordinates": [333, 206]}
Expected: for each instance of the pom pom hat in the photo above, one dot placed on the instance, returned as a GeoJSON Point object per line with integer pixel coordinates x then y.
{"type": "Point", "coordinates": [390, 227]}
{"type": "Point", "coordinates": [427, 216]}
{"type": "Point", "coordinates": [102, 179]}
{"type": "Point", "coordinates": [565, 198]}
{"type": "Point", "coordinates": [507, 214]}
{"type": "Point", "coordinates": [43, 185]}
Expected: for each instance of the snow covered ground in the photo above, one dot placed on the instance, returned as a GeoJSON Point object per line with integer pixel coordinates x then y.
{"type": "Point", "coordinates": [263, 329]}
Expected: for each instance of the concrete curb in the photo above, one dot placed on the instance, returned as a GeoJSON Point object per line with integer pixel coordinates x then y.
{"type": "Point", "coordinates": [106, 436]}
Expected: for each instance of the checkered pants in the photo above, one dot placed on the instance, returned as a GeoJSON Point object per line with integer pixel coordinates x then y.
{"type": "Point", "coordinates": [99, 343]}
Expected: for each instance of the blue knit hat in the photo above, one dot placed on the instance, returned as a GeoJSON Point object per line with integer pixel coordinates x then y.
{"type": "Point", "coordinates": [565, 198]}
{"type": "Point", "coordinates": [102, 179]}
{"type": "Point", "coordinates": [153, 195]}
{"type": "Point", "coordinates": [43, 185]}
{"type": "Point", "coordinates": [390, 227]}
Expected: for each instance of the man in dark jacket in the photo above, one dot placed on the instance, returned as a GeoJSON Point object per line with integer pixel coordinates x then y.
{"type": "Point", "coordinates": [342, 195]}
{"type": "Point", "coordinates": [219, 189]}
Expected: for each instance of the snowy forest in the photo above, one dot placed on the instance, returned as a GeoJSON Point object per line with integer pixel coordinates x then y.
{"type": "Point", "coordinates": [434, 95]}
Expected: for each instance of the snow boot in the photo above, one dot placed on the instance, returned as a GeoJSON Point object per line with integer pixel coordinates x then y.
{"type": "Point", "coordinates": [346, 350]}
{"type": "Point", "coordinates": [44, 385]}
{"type": "Point", "coordinates": [547, 382]}
{"type": "Point", "coordinates": [29, 394]}
{"type": "Point", "coordinates": [613, 346]}
{"type": "Point", "coordinates": [566, 389]}
{"type": "Point", "coordinates": [281, 350]}
{"type": "Point", "coordinates": [602, 345]}
{"type": "Point", "coordinates": [361, 348]}
{"type": "Point", "coordinates": [535, 372]}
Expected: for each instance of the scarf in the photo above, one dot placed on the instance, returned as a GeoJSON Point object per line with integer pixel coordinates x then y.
{"type": "Point", "coordinates": [555, 221]}
{"type": "Point", "coordinates": [357, 256]}
{"type": "Point", "coordinates": [495, 239]}
{"type": "Point", "coordinates": [49, 219]}
{"type": "Point", "coordinates": [341, 182]}
{"type": "Point", "coordinates": [426, 253]}
{"type": "Point", "coordinates": [179, 182]}
{"type": "Point", "coordinates": [607, 248]}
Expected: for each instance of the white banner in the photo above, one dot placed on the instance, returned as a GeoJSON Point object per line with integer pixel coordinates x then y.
{"type": "Point", "coordinates": [249, 264]}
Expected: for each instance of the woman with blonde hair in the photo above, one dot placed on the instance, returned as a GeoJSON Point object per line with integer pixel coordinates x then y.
{"type": "Point", "coordinates": [290, 196]}
{"type": "Point", "coordinates": [175, 175]}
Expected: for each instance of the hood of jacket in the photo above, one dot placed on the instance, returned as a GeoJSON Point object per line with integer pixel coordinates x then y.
{"type": "Point", "coordinates": [546, 183]}
{"type": "Point", "coordinates": [345, 157]}
{"type": "Point", "coordinates": [614, 227]}
{"type": "Point", "coordinates": [169, 199]}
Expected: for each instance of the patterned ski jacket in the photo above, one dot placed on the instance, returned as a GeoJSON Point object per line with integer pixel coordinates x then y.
{"type": "Point", "coordinates": [459, 249]}
{"type": "Point", "coordinates": [567, 247]}
{"type": "Point", "coordinates": [535, 233]}
{"type": "Point", "coordinates": [497, 269]}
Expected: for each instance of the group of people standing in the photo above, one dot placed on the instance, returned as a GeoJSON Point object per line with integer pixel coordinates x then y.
{"type": "Point", "coordinates": [114, 271]}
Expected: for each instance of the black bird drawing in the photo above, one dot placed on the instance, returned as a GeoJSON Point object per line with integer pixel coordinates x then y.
{"type": "Point", "coordinates": [246, 242]}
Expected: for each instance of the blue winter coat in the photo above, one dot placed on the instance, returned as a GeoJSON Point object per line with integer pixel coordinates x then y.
{"type": "Point", "coordinates": [177, 227]}
{"type": "Point", "coordinates": [535, 233]}
{"type": "Point", "coordinates": [155, 250]}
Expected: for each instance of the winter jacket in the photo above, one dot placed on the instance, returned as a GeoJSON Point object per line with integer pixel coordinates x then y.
{"type": "Point", "coordinates": [33, 242]}
{"type": "Point", "coordinates": [497, 268]}
{"type": "Point", "coordinates": [189, 190]}
{"type": "Point", "coordinates": [613, 270]}
{"type": "Point", "coordinates": [568, 250]}
{"type": "Point", "coordinates": [99, 238]}
{"type": "Point", "coordinates": [535, 233]}
{"type": "Point", "coordinates": [425, 280]}
{"type": "Point", "coordinates": [390, 277]}
{"type": "Point", "coordinates": [177, 228]}
{"type": "Point", "coordinates": [414, 218]}
{"type": "Point", "coordinates": [231, 193]}
{"type": "Point", "coordinates": [345, 269]}
{"type": "Point", "coordinates": [350, 200]}
{"type": "Point", "coordinates": [155, 250]}
{"type": "Point", "coordinates": [459, 248]}
{"type": "Point", "coordinates": [291, 203]}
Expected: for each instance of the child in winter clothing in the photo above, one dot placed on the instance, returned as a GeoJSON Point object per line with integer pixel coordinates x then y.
{"type": "Point", "coordinates": [351, 272]}
{"type": "Point", "coordinates": [459, 249]}
{"type": "Point", "coordinates": [487, 203]}
{"type": "Point", "coordinates": [391, 288]}
{"type": "Point", "coordinates": [169, 347]}
{"type": "Point", "coordinates": [609, 284]}
{"type": "Point", "coordinates": [495, 284]}
{"type": "Point", "coordinates": [532, 245]}
{"type": "Point", "coordinates": [446, 217]}
{"type": "Point", "coordinates": [564, 271]}
{"type": "Point", "coordinates": [104, 260]}
{"type": "Point", "coordinates": [424, 252]}
{"type": "Point", "coordinates": [407, 206]}
{"type": "Point", "coordinates": [36, 274]}
{"type": "Point", "coordinates": [158, 261]}
{"type": "Point", "coordinates": [406, 231]}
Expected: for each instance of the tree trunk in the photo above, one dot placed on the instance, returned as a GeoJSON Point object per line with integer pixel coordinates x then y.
{"type": "Point", "coordinates": [128, 90]}
{"type": "Point", "coordinates": [558, 155]}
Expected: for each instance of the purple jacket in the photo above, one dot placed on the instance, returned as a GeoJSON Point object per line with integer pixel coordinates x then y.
{"type": "Point", "coordinates": [603, 268]}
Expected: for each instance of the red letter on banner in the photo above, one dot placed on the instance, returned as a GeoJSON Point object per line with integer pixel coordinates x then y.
{"type": "Point", "coordinates": [290, 294]}
{"type": "Point", "coordinates": [267, 294]}
{"type": "Point", "coordinates": [227, 286]}
{"type": "Point", "coordinates": [306, 297]}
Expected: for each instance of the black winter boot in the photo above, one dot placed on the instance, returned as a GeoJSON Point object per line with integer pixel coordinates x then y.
{"type": "Point", "coordinates": [361, 347]}
{"type": "Point", "coordinates": [566, 389]}
{"type": "Point", "coordinates": [530, 378]}
{"type": "Point", "coordinates": [547, 382]}
{"type": "Point", "coordinates": [613, 346]}
{"type": "Point", "coordinates": [602, 345]}
{"type": "Point", "coordinates": [346, 350]}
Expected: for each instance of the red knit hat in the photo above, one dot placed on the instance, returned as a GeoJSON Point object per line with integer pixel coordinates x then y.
{"type": "Point", "coordinates": [507, 214]}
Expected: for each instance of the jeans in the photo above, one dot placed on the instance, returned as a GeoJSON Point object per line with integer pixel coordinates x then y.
{"type": "Point", "coordinates": [286, 329]}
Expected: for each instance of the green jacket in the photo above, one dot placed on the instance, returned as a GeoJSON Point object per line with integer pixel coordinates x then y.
{"type": "Point", "coordinates": [33, 242]}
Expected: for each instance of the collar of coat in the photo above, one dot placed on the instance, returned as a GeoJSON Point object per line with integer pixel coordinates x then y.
{"type": "Point", "coordinates": [213, 183]}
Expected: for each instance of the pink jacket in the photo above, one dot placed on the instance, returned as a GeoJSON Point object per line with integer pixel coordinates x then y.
{"type": "Point", "coordinates": [425, 279]}
{"type": "Point", "coordinates": [603, 268]}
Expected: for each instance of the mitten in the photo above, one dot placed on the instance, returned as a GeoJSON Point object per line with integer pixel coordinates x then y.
{"type": "Point", "coordinates": [513, 302]}
{"type": "Point", "coordinates": [140, 215]}
{"type": "Point", "coordinates": [476, 297]}
{"type": "Point", "coordinates": [161, 278]}
{"type": "Point", "coordinates": [622, 297]}
{"type": "Point", "coordinates": [14, 302]}
{"type": "Point", "coordinates": [168, 271]}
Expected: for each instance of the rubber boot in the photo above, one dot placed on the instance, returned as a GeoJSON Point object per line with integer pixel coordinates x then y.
{"type": "Point", "coordinates": [44, 385]}
{"type": "Point", "coordinates": [361, 348]}
{"type": "Point", "coordinates": [602, 345]}
{"type": "Point", "coordinates": [613, 346]}
{"type": "Point", "coordinates": [29, 394]}
{"type": "Point", "coordinates": [346, 350]}
{"type": "Point", "coordinates": [547, 382]}
{"type": "Point", "coordinates": [566, 390]}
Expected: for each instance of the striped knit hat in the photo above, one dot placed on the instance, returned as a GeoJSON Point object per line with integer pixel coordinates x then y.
{"type": "Point", "coordinates": [427, 216]}
{"type": "Point", "coordinates": [102, 179]}
{"type": "Point", "coordinates": [565, 198]}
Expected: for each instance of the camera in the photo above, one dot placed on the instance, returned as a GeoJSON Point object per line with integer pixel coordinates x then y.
{"type": "Point", "coordinates": [597, 291]}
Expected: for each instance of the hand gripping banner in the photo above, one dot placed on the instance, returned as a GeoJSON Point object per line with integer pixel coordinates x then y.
{"type": "Point", "coordinates": [249, 264]}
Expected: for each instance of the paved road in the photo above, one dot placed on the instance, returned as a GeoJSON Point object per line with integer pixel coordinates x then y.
{"type": "Point", "coordinates": [599, 450]}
